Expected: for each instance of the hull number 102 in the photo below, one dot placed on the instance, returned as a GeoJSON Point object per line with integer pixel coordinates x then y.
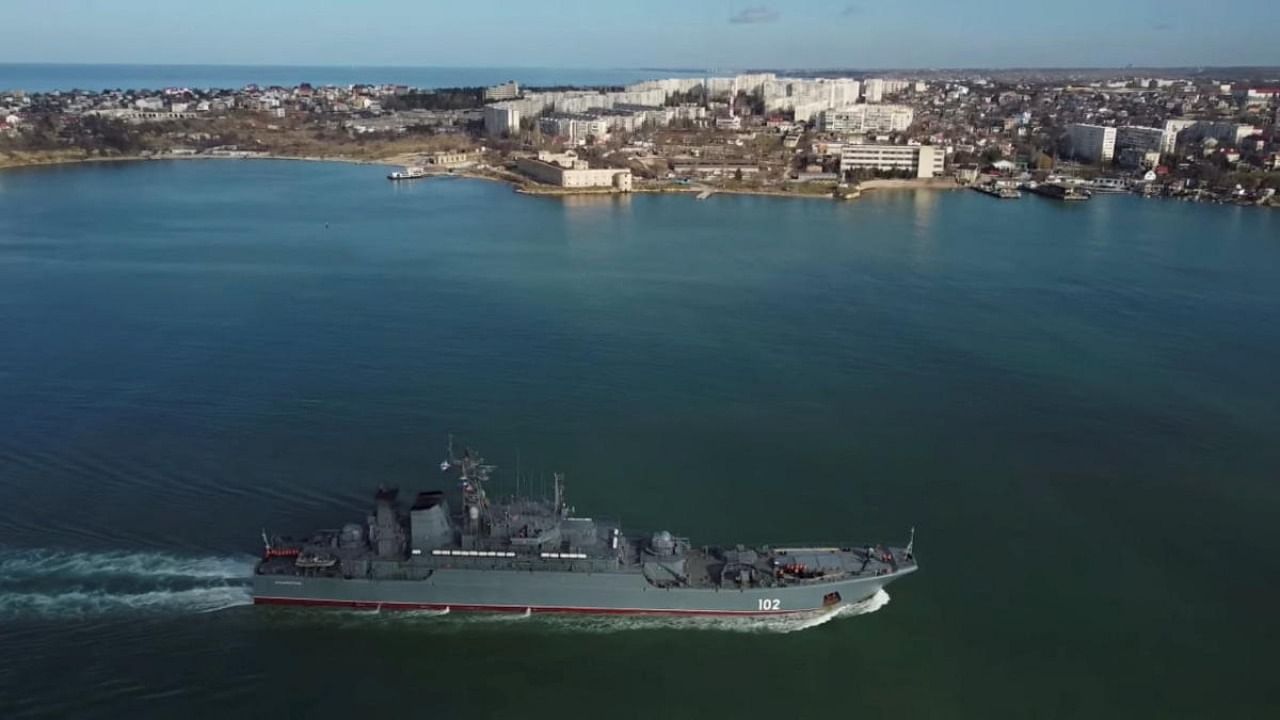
{"type": "Point", "coordinates": [769, 604]}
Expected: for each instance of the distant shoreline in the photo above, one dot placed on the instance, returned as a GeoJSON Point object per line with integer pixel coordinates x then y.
{"type": "Point", "coordinates": [517, 185]}
{"type": "Point", "coordinates": [5, 163]}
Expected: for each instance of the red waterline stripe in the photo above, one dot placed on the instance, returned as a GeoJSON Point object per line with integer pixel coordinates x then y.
{"type": "Point", "coordinates": [264, 600]}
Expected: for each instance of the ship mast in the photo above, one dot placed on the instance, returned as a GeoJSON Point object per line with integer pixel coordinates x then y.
{"type": "Point", "coordinates": [473, 473]}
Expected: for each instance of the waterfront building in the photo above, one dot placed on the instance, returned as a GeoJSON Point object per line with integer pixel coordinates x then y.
{"type": "Point", "coordinates": [506, 91]}
{"type": "Point", "coordinates": [455, 158]}
{"type": "Point", "coordinates": [1091, 143]}
{"type": "Point", "coordinates": [866, 118]}
{"type": "Point", "coordinates": [926, 161]}
{"type": "Point", "coordinates": [568, 171]}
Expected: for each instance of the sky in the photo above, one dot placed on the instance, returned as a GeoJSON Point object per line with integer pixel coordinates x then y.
{"type": "Point", "coordinates": [713, 34]}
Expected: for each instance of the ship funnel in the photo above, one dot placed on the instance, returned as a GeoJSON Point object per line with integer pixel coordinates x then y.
{"type": "Point", "coordinates": [429, 521]}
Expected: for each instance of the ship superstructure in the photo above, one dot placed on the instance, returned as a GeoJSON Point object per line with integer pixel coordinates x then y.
{"type": "Point", "coordinates": [463, 551]}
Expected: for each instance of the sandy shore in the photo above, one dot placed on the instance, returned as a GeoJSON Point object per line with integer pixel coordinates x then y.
{"type": "Point", "coordinates": [938, 183]}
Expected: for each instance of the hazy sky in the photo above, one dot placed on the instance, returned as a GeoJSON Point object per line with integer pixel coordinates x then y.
{"type": "Point", "coordinates": [649, 33]}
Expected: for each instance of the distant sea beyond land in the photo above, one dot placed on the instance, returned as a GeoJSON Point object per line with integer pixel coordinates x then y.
{"type": "Point", "coordinates": [45, 77]}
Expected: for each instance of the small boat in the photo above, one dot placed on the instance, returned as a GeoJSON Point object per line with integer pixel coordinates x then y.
{"type": "Point", "coordinates": [1109, 185]}
{"type": "Point", "coordinates": [1060, 191]}
{"type": "Point", "coordinates": [998, 190]}
{"type": "Point", "coordinates": [409, 173]}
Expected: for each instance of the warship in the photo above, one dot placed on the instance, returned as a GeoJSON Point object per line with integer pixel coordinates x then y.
{"type": "Point", "coordinates": [461, 551]}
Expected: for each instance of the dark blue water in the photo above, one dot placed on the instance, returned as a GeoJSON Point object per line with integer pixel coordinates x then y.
{"type": "Point", "coordinates": [44, 77]}
{"type": "Point", "coordinates": [1075, 404]}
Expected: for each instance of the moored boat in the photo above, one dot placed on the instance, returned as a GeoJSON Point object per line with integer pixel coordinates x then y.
{"type": "Point", "coordinates": [412, 172]}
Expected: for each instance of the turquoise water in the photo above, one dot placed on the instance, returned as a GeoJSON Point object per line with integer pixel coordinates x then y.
{"type": "Point", "coordinates": [1075, 405]}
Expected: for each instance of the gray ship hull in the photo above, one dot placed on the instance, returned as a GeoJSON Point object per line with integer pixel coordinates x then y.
{"type": "Point", "coordinates": [626, 593]}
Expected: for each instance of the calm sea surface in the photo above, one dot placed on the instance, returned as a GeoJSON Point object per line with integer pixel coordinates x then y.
{"type": "Point", "coordinates": [1077, 405]}
{"type": "Point", "coordinates": [37, 77]}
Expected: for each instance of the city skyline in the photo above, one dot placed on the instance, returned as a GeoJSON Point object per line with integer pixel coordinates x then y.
{"type": "Point", "coordinates": [658, 34]}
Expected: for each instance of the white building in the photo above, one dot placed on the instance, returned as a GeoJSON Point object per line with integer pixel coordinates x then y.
{"type": "Point", "coordinates": [1091, 143]}
{"type": "Point", "coordinates": [1224, 132]}
{"type": "Point", "coordinates": [876, 89]}
{"type": "Point", "coordinates": [506, 91]}
{"type": "Point", "coordinates": [566, 170]}
{"type": "Point", "coordinates": [575, 128]}
{"type": "Point", "coordinates": [809, 96]}
{"type": "Point", "coordinates": [926, 161]}
{"type": "Point", "coordinates": [873, 90]}
{"type": "Point", "coordinates": [690, 112]}
{"type": "Point", "coordinates": [730, 122]}
{"type": "Point", "coordinates": [866, 118]}
{"type": "Point", "coordinates": [501, 118]}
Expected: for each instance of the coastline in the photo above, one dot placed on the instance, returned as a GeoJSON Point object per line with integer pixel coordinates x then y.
{"type": "Point", "coordinates": [517, 183]}
{"type": "Point", "coordinates": [8, 164]}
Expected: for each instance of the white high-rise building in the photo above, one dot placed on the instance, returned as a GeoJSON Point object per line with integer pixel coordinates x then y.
{"type": "Point", "coordinates": [873, 90]}
{"type": "Point", "coordinates": [500, 118]}
{"type": "Point", "coordinates": [807, 98]}
{"type": "Point", "coordinates": [1091, 143]}
{"type": "Point", "coordinates": [506, 91]}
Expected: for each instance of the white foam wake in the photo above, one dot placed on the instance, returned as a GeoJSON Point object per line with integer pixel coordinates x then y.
{"type": "Point", "coordinates": [54, 583]}
{"type": "Point", "coordinates": [81, 603]}
{"type": "Point", "coordinates": [101, 564]}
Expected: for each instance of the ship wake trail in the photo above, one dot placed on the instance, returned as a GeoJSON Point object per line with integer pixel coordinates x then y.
{"type": "Point", "coordinates": [54, 583]}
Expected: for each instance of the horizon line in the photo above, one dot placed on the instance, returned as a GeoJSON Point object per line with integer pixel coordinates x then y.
{"type": "Point", "coordinates": [643, 68]}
